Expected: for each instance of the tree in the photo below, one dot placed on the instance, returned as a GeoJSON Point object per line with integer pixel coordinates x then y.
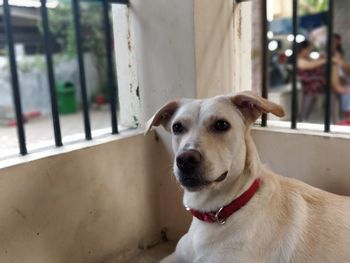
{"type": "Point", "coordinates": [62, 29]}
{"type": "Point", "coordinates": [307, 7]}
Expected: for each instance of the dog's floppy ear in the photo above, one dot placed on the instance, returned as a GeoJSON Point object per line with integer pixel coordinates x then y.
{"type": "Point", "coordinates": [163, 115]}
{"type": "Point", "coordinates": [252, 106]}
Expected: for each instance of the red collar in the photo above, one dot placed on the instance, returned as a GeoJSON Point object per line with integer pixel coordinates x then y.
{"type": "Point", "coordinates": [225, 212]}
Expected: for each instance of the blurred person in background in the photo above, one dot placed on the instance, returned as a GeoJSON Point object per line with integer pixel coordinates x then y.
{"type": "Point", "coordinates": [343, 69]}
{"type": "Point", "coordinates": [312, 77]}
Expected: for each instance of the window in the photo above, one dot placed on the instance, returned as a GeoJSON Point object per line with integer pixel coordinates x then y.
{"type": "Point", "coordinates": [309, 97]}
{"type": "Point", "coordinates": [58, 80]}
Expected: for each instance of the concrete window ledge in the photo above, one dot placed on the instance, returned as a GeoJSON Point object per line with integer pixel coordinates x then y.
{"type": "Point", "coordinates": [77, 143]}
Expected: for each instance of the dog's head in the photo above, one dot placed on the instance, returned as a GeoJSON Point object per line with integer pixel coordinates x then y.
{"type": "Point", "coordinates": [208, 136]}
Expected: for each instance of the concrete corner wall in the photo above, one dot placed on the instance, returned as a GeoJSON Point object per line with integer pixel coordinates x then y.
{"type": "Point", "coordinates": [89, 205]}
{"type": "Point", "coordinates": [318, 159]}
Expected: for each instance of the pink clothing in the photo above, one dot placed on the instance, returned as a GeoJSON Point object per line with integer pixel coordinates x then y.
{"type": "Point", "coordinates": [312, 80]}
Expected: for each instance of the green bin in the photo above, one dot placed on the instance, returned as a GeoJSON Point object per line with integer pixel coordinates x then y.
{"type": "Point", "coordinates": [65, 97]}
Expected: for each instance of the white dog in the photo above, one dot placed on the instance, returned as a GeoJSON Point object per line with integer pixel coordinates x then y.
{"type": "Point", "coordinates": [242, 211]}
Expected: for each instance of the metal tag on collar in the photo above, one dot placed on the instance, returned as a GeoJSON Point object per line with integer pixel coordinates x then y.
{"type": "Point", "coordinates": [217, 219]}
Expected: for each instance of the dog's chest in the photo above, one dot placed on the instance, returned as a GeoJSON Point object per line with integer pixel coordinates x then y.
{"type": "Point", "coordinates": [233, 242]}
{"type": "Point", "coordinates": [221, 243]}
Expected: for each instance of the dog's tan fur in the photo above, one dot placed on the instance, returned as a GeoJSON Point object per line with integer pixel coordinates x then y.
{"type": "Point", "coordinates": [286, 220]}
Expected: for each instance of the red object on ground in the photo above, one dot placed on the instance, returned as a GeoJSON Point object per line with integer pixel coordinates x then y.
{"type": "Point", "coordinates": [344, 122]}
{"type": "Point", "coordinates": [11, 123]}
{"type": "Point", "coordinates": [31, 115]}
{"type": "Point", "coordinates": [26, 116]}
{"type": "Point", "coordinates": [100, 99]}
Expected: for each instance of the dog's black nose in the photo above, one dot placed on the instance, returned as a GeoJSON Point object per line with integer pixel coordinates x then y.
{"type": "Point", "coordinates": [188, 161]}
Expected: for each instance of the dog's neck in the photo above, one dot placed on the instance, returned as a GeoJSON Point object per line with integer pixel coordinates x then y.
{"type": "Point", "coordinates": [213, 199]}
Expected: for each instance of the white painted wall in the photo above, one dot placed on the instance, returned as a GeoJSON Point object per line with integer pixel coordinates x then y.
{"type": "Point", "coordinates": [165, 51]}
{"type": "Point", "coordinates": [214, 38]}
{"type": "Point", "coordinates": [128, 85]}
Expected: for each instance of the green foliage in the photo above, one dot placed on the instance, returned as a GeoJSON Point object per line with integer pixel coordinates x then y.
{"type": "Point", "coordinates": [62, 29]}
{"type": "Point", "coordinates": [37, 62]}
{"type": "Point", "coordinates": [307, 7]}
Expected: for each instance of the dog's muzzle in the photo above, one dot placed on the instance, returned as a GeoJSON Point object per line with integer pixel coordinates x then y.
{"type": "Point", "coordinates": [189, 173]}
{"type": "Point", "coordinates": [188, 163]}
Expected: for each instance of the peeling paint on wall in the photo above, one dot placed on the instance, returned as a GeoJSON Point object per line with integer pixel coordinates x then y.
{"type": "Point", "coordinates": [242, 47]}
{"type": "Point", "coordinates": [129, 114]}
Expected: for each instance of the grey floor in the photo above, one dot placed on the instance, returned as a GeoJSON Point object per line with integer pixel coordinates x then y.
{"type": "Point", "coordinates": [152, 255]}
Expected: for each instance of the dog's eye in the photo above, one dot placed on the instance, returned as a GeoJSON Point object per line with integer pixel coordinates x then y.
{"type": "Point", "coordinates": [221, 126]}
{"type": "Point", "coordinates": [177, 128]}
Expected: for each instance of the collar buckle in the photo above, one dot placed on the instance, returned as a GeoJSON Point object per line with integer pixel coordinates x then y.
{"type": "Point", "coordinates": [217, 219]}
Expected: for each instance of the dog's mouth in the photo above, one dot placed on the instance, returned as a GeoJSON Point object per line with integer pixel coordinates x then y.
{"type": "Point", "coordinates": [193, 185]}
{"type": "Point", "coordinates": [221, 177]}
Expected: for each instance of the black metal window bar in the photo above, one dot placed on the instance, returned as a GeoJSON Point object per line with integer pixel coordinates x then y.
{"type": "Point", "coordinates": [113, 84]}
{"type": "Point", "coordinates": [294, 102]}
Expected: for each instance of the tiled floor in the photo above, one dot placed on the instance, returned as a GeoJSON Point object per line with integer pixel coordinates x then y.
{"type": "Point", "coordinates": [39, 131]}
